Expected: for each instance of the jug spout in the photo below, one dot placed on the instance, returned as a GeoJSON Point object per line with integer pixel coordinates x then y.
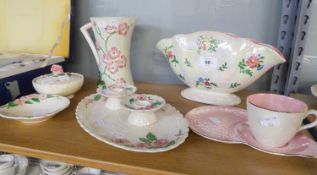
{"type": "Point", "coordinates": [163, 44]}
{"type": "Point", "coordinates": [276, 57]}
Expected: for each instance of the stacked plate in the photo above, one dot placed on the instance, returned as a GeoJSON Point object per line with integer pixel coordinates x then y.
{"type": "Point", "coordinates": [11, 164]}
{"type": "Point", "coordinates": [49, 167]}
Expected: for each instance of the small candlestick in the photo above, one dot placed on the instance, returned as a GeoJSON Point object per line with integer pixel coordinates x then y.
{"type": "Point", "coordinates": [115, 93]}
{"type": "Point", "coordinates": [143, 107]}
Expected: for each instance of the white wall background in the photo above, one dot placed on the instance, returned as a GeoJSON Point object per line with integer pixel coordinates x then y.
{"type": "Point", "coordinates": [258, 19]}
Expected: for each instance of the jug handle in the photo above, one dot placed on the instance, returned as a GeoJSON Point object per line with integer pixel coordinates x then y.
{"type": "Point", "coordinates": [84, 30]}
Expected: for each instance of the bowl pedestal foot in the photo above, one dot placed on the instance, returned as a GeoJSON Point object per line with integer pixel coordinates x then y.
{"type": "Point", "coordinates": [208, 97]}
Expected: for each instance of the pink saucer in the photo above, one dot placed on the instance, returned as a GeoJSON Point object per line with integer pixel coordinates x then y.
{"type": "Point", "coordinates": [300, 145]}
{"type": "Point", "coordinates": [229, 125]}
{"type": "Point", "coordinates": [216, 123]}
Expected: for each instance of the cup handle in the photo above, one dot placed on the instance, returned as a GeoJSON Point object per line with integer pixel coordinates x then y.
{"type": "Point", "coordinates": [84, 30]}
{"type": "Point", "coordinates": [312, 124]}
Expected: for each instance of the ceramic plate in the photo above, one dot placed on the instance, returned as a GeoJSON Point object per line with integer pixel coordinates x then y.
{"type": "Point", "coordinates": [216, 123]}
{"type": "Point", "coordinates": [112, 127]}
{"type": "Point", "coordinates": [229, 125]}
{"type": "Point", "coordinates": [34, 108]}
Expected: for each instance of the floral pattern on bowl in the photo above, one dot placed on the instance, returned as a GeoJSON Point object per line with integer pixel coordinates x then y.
{"type": "Point", "coordinates": [112, 127]}
{"type": "Point", "coordinates": [215, 64]}
{"type": "Point", "coordinates": [144, 102]}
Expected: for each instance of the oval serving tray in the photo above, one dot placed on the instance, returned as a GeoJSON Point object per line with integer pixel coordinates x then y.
{"type": "Point", "coordinates": [112, 127]}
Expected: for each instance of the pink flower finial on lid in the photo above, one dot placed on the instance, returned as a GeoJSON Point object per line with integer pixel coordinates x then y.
{"type": "Point", "coordinates": [57, 69]}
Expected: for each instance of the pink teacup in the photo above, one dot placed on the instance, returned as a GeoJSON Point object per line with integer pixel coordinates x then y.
{"type": "Point", "coordinates": [275, 119]}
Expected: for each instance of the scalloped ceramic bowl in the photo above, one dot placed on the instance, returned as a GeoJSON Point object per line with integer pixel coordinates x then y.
{"type": "Point", "coordinates": [215, 64]}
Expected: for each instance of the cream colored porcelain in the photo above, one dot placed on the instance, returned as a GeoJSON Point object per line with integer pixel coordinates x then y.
{"type": "Point", "coordinates": [64, 84]}
{"type": "Point", "coordinates": [115, 93]}
{"type": "Point", "coordinates": [143, 107]}
{"type": "Point", "coordinates": [275, 119]}
{"type": "Point", "coordinates": [112, 47]}
{"type": "Point", "coordinates": [34, 108]}
{"type": "Point", "coordinates": [112, 127]}
{"type": "Point", "coordinates": [215, 64]}
{"type": "Point", "coordinates": [313, 89]}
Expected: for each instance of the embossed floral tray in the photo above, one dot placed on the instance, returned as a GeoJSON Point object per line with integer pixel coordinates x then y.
{"type": "Point", "coordinates": [229, 125]}
{"type": "Point", "coordinates": [112, 127]}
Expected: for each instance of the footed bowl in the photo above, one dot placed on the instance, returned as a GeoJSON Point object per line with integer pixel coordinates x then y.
{"type": "Point", "coordinates": [214, 65]}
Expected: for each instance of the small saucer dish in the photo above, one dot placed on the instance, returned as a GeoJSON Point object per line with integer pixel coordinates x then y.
{"type": "Point", "coordinates": [115, 93]}
{"type": "Point", "coordinates": [34, 108]}
{"type": "Point", "coordinates": [58, 83]}
{"type": "Point", "coordinates": [229, 125]}
{"type": "Point", "coordinates": [113, 127]}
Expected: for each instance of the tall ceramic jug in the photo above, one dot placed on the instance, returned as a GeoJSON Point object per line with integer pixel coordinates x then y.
{"type": "Point", "coordinates": [112, 47]}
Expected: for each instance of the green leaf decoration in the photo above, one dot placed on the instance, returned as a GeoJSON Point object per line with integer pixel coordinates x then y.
{"type": "Point", "coordinates": [28, 102]}
{"type": "Point", "coordinates": [50, 96]}
{"type": "Point", "coordinates": [145, 140]}
{"type": "Point", "coordinates": [97, 97]}
{"type": "Point", "coordinates": [174, 60]}
{"type": "Point", "coordinates": [132, 100]}
{"type": "Point", "coordinates": [187, 63]}
{"type": "Point", "coordinates": [234, 85]}
{"type": "Point", "coordinates": [100, 82]}
{"type": "Point", "coordinates": [35, 100]}
{"type": "Point", "coordinates": [170, 143]}
{"type": "Point", "coordinates": [151, 137]}
{"type": "Point", "coordinates": [223, 67]}
{"type": "Point", "coordinates": [248, 72]}
{"type": "Point", "coordinates": [214, 84]}
{"type": "Point", "coordinates": [11, 104]}
{"type": "Point", "coordinates": [181, 77]}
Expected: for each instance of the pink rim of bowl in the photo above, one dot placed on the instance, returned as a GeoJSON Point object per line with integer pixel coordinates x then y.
{"type": "Point", "coordinates": [277, 103]}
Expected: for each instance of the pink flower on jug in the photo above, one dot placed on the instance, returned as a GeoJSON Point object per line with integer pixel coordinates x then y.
{"type": "Point", "coordinates": [122, 61]}
{"type": "Point", "coordinates": [114, 53]}
{"type": "Point", "coordinates": [114, 61]}
{"type": "Point", "coordinates": [160, 142]}
{"type": "Point", "coordinates": [170, 54]}
{"type": "Point", "coordinates": [123, 29]}
{"type": "Point", "coordinates": [121, 141]}
{"type": "Point", "coordinates": [56, 69]}
{"type": "Point", "coordinates": [253, 61]}
{"type": "Point", "coordinates": [110, 29]}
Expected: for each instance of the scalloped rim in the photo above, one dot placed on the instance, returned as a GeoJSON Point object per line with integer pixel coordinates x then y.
{"type": "Point", "coordinates": [254, 41]}
{"type": "Point", "coordinates": [127, 148]}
